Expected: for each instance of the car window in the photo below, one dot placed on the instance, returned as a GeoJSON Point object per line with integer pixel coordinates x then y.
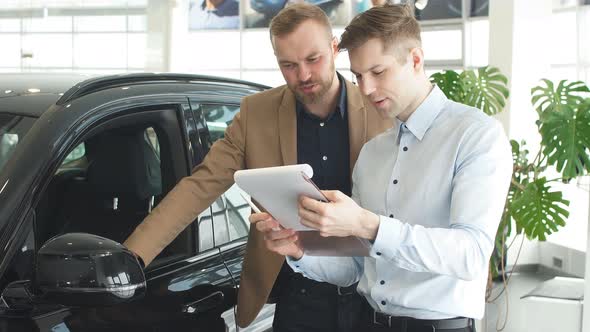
{"type": "Point", "coordinates": [106, 186]}
{"type": "Point", "coordinates": [76, 154]}
{"type": "Point", "coordinates": [152, 139]}
{"type": "Point", "coordinates": [12, 130]}
{"type": "Point", "coordinates": [230, 216]}
{"type": "Point", "coordinates": [218, 117]}
{"type": "Point", "coordinates": [225, 221]}
{"type": "Point", "coordinates": [206, 239]}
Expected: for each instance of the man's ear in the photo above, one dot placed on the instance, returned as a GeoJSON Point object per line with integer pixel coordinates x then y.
{"type": "Point", "coordinates": [334, 44]}
{"type": "Point", "coordinates": [417, 58]}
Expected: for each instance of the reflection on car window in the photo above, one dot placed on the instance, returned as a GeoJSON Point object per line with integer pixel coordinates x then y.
{"type": "Point", "coordinates": [152, 139]}
{"type": "Point", "coordinates": [230, 220]}
{"type": "Point", "coordinates": [205, 222]}
{"type": "Point", "coordinates": [218, 117]}
{"type": "Point", "coordinates": [78, 152]}
{"type": "Point", "coordinates": [230, 216]}
{"type": "Point", "coordinates": [7, 144]}
{"type": "Point", "coordinates": [12, 130]}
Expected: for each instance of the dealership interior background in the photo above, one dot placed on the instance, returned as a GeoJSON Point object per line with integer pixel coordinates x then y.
{"type": "Point", "coordinates": [528, 40]}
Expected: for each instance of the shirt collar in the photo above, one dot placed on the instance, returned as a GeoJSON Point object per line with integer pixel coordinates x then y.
{"type": "Point", "coordinates": [421, 120]}
{"type": "Point", "coordinates": [340, 107]}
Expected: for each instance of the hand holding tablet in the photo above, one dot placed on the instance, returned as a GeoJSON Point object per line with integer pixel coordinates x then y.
{"type": "Point", "coordinates": [277, 190]}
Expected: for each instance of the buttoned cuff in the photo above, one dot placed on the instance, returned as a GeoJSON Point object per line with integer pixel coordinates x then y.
{"type": "Point", "coordinates": [300, 265]}
{"type": "Point", "coordinates": [388, 239]}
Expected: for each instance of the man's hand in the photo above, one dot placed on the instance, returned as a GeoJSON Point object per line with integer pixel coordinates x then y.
{"type": "Point", "coordinates": [276, 238]}
{"type": "Point", "coordinates": [341, 216]}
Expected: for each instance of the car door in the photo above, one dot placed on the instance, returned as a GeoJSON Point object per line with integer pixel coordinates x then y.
{"type": "Point", "coordinates": [228, 228]}
{"type": "Point", "coordinates": [186, 290]}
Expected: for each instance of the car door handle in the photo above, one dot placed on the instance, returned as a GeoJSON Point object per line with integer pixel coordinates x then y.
{"type": "Point", "coordinates": [207, 303]}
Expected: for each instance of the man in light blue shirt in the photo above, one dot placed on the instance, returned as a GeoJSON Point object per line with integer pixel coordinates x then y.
{"type": "Point", "coordinates": [214, 14]}
{"type": "Point", "coordinates": [432, 191]}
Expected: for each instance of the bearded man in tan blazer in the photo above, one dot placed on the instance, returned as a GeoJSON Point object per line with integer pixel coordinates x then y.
{"type": "Point", "coordinates": [266, 133]}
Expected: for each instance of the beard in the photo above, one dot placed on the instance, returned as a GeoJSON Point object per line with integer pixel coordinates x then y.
{"type": "Point", "coordinates": [317, 96]}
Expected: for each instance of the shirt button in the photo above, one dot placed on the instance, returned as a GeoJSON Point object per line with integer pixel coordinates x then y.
{"type": "Point", "coordinates": [324, 158]}
{"type": "Point", "coordinates": [378, 253]}
{"type": "Point", "coordinates": [383, 302]}
{"type": "Point", "coordinates": [390, 216]}
{"type": "Point", "coordinates": [382, 282]}
{"type": "Point", "coordinates": [321, 124]}
{"type": "Point", "coordinates": [394, 181]}
{"type": "Point", "coordinates": [302, 290]}
{"type": "Point", "coordinates": [405, 148]}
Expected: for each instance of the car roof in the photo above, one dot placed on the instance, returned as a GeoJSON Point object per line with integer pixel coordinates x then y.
{"type": "Point", "coordinates": [31, 94]}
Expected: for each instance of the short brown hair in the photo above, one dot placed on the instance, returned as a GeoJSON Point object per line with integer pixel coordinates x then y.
{"type": "Point", "coordinates": [290, 17]}
{"type": "Point", "coordinates": [395, 25]}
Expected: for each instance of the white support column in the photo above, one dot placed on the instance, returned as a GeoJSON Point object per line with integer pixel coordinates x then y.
{"type": "Point", "coordinates": [586, 308]}
{"type": "Point", "coordinates": [159, 34]}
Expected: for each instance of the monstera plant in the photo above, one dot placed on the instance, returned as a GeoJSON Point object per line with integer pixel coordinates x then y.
{"type": "Point", "coordinates": [534, 206]}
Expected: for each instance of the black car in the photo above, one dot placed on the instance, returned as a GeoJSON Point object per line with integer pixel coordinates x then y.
{"type": "Point", "coordinates": [81, 165]}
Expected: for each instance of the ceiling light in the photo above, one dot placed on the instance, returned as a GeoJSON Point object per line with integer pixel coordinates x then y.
{"type": "Point", "coordinates": [420, 4]}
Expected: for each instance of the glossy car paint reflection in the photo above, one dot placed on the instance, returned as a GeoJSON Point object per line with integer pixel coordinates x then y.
{"type": "Point", "coordinates": [87, 263]}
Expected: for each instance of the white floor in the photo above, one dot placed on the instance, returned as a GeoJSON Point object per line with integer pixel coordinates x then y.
{"type": "Point", "coordinates": [508, 312]}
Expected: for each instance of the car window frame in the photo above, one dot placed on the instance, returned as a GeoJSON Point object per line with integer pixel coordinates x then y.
{"type": "Point", "coordinates": [129, 115]}
{"type": "Point", "coordinates": [205, 141]}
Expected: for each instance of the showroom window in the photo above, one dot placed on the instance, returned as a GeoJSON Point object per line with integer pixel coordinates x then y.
{"type": "Point", "coordinates": [570, 60]}
{"type": "Point", "coordinates": [455, 34]}
{"type": "Point", "coordinates": [67, 35]}
{"type": "Point", "coordinates": [570, 51]}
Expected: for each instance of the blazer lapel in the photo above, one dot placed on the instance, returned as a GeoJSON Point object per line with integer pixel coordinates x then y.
{"type": "Point", "coordinates": [357, 122]}
{"type": "Point", "coordinates": [288, 128]}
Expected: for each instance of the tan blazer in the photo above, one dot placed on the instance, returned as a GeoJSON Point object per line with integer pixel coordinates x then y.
{"type": "Point", "coordinates": [262, 134]}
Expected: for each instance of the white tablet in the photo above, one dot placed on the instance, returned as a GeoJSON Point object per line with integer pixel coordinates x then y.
{"type": "Point", "coordinates": [277, 190]}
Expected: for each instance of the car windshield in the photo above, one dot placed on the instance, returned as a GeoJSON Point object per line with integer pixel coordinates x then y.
{"type": "Point", "coordinates": [12, 130]}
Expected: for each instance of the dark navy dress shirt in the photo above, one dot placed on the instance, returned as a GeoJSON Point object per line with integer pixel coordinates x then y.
{"type": "Point", "coordinates": [324, 144]}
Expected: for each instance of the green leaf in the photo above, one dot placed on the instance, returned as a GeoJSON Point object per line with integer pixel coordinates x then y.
{"type": "Point", "coordinates": [565, 137]}
{"type": "Point", "coordinates": [485, 89]}
{"type": "Point", "coordinates": [451, 84]}
{"type": "Point", "coordinates": [549, 98]}
{"type": "Point", "coordinates": [538, 210]}
{"type": "Point", "coordinates": [519, 155]}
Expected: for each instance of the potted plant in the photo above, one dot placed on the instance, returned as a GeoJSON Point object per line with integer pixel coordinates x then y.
{"type": "Point", "coordinates": [533, 206]}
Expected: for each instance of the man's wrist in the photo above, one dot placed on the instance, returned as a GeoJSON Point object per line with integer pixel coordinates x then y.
{"type": "Point", "coordinates": [139, 259]}
{"type": "Point", "coordinates": [369, 225]}
{"type": "Point", "coordinates": [297, 257]}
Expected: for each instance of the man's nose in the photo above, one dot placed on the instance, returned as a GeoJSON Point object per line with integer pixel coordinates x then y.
{"type": "Point", "coordinates": [367, 87]}
{"type": "Point", "coordinates": [303, 74]}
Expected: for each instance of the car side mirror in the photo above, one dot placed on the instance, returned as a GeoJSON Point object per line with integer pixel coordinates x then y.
{"type": "Point", "coordinates": [18, 296]}
{"type": "Point", "coordinates": [85, 270]}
